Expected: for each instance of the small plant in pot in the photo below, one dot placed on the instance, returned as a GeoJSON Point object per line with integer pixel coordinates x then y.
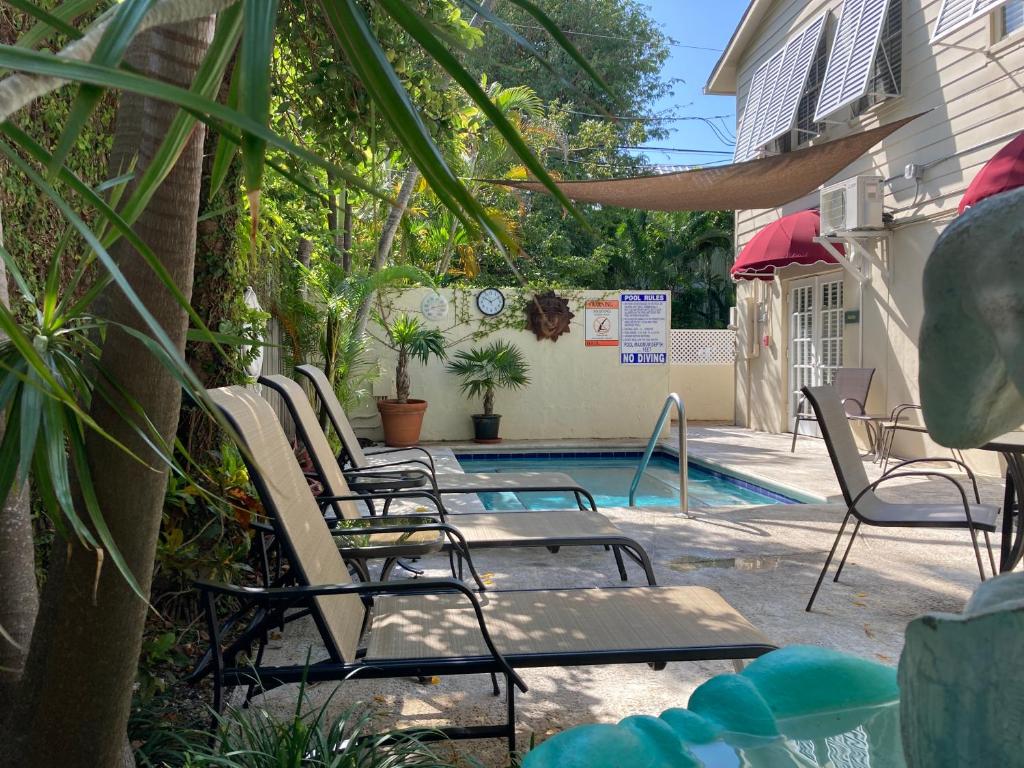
{"type": "Point", "coordinates": [498, 365]}
{"type": "Point", "coordinates": [403, 416]}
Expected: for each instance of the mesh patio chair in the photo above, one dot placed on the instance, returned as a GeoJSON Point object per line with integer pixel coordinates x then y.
{"type": "Point", "coordinates": [424, 627]}
{"type": "Point", "coordinates": [493, 530]}
{"type": "Point", "coordinates": [863, 504]}
{"type": "Point", "coordinates": [361, 470]}
{"type": "Point", "coordinates": [901, 420]}
{"type": "Point", "coordinates": [852, 384]}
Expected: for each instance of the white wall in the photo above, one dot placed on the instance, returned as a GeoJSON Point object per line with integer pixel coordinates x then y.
{"type": "Point", "coordinates": [575, 391]}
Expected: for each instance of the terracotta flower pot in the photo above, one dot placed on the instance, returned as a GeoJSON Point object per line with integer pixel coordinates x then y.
{"type": "Point", "coordinates": [402, 421]}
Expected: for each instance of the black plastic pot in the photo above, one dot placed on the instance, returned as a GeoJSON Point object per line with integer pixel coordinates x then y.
{"type": "Point", "coordinates": [485, 428]}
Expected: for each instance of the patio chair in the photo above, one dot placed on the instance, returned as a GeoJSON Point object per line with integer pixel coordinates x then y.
{"type": "Point", "coordinates": [900, 421]}
{"type": "Point", "coordinates": [360, 470]}
{"type": "Point", "coordinates": [495, 530]}
{"type": "Point", "coordinates": [424, 627]}
{"type": "Point", "coordinates": [852, 384]}
{"type": "Point", "coordinates": [863, 504]}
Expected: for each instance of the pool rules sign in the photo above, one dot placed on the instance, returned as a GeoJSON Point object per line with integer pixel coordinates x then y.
{"type": "Point", "coordinates": [643, 328]}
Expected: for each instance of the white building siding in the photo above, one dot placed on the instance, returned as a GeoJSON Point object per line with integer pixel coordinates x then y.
{"type": "Point", "coordinates": [974, 87]}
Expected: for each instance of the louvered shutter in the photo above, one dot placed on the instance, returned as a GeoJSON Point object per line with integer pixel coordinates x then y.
{"type": "Point", "coordinates": [791, 81]}
{"type": "Point", "coordinates": [955, 14]}
{"type": "Point", "coordinates": [775, 91]}
{"type": "Point", "coordinates": [853, 55]}
{"type": "Point", "coordinates": [745, 135]}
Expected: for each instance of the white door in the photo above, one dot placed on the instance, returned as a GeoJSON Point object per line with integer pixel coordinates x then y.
{"type": "Point", "coordinates": [815, 338]}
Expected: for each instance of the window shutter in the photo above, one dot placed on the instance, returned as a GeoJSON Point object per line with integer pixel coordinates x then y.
{"type": "Point", "coordinates": [853, 55]}
{"type": "Point", "coordinates": [955, 14]}
{"type": "Point", "coordinates": [775, 91]}
{"type": "Point", "coordinates": [744, 136]}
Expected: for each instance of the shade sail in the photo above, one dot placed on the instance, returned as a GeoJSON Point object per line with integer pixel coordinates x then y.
{"type": "Point", "coordinates": [785, 242]}
{"type": "Point", "coordinates": [1005, 171]}
{"type": "Point", "coordinates": [766, 183]}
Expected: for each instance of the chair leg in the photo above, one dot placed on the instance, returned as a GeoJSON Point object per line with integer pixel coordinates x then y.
{"type": "Point", "coordinates": [796, 431]}
{"type": "Point", "coordinates": [846, 554]}
{"type": "Point", "coordinates": [991, 557]}
{"type": "Point", "coordinates": [510, 693]}
{"type": "Point", "coordinates": [621, 565]}
{"type": "Point", "coordinates": [828, 562]}
{"type": "Point", "coordinates": [977, 552]}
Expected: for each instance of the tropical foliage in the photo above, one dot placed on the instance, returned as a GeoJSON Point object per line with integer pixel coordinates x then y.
{"type": "Point", "coordinates": [412, 340]}
{"type": "Point", "coordinates": [484, 369]}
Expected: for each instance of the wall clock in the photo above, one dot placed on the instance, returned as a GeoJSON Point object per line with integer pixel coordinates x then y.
{"type": "Point", "coordinates": [434, 307]}
{"type": "Point", "coordinates": [490, 301]}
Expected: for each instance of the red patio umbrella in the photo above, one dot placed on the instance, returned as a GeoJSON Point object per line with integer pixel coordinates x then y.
{"type": "Point", "coordinates": [790, 240]}
{"type": "Point", "coordinates": [1005, 171]}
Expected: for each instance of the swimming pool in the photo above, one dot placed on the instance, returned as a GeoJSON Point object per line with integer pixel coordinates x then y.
{"type": "Point", "coordinates": [608, 474]}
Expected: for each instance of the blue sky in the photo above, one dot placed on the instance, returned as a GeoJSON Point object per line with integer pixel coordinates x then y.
{"type": "Point", "coordinates": [702, 24]}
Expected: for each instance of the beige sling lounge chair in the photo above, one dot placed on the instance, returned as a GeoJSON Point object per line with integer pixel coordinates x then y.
{"type": "Point", "coordinates": [500, 530]}
{"type": "Point", "coordinates": [425, 627]}
{"type": "Point", "coordinates": [442, 483]}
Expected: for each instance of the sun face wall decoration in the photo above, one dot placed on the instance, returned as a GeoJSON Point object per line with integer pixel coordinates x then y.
{"type": "Point", "coordinates": [548, 316]}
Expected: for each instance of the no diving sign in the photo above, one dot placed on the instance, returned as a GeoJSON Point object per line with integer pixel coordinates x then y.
{"type": "Point", "coordinates": [601, 322]}
{"type": "Point", "coordinates": [643, 318]}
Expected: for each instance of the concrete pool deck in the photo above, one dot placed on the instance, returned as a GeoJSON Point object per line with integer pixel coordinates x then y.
{"type": "Point", "coordinates": [763, 560]}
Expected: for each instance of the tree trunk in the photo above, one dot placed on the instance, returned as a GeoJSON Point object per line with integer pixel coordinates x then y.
{"type": "Point", "coordinates": [489, 402]}
{"type": "Point", "coordinates": [19, 597]}
{"type": "Point", "coordinates": [75, 694]}
{"type": "Point", "coordinates": [387, 239]}
{"type": "Point", "coordinates": [346, 237]}
{"type": "Point", "coordinates": [402, 377]}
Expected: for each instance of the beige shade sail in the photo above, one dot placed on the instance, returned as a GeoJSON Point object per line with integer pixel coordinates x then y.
{"type": "Point", "coordinates": [765, 183]}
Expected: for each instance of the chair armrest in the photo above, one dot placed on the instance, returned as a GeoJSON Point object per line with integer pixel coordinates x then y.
{"type": "Point", "coordinates": [857, 402]}
{"type": "Point", "coordinates": [967, 471]}
{"type": "Point", "coordinates": [418, 494]}
{"type": "Point", "coordinates": [285, 597]}
{"type": "Point", "coordinates": [889, 476]}
{"type": "Point", "coordinates": [897, 412]}
{"type": "Point", "coordinates": [383, 451]}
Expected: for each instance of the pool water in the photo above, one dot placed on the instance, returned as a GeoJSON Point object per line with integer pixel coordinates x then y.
{"type": "Point", "coordinates": [608, 476]}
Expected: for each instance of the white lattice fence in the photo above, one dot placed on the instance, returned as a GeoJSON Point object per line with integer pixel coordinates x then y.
{"type": "Point", "coordinates": [691, 346]}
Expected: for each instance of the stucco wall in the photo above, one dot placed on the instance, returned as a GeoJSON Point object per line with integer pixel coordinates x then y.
{"type": "Point", "coordinates": [971, 84]}
{"type": "Point", "coordinates": [707, 390]}
{"type": "Point", "coordinates": [576, 391]}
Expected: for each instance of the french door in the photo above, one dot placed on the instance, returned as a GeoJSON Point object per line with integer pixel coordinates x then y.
{"type": "Point", "coordinates": [815, 338]}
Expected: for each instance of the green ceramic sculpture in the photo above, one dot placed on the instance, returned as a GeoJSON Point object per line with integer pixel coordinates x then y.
{"type": "Point", "coordinates": [798, 706]}
{"type": "Point", "coordinates": [972, 336]}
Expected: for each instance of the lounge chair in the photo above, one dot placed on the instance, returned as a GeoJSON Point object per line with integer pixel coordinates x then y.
{"type": "Point", "coordinates": [358, 463]}
{"type": "Point", "coordinates": [863, 504]}
{"type": "Point", "coordinates": [853, 385]}
{"type": "Point", "coordinates": [500, 530]}
{"type": "Point", "coordinates": [423, 627]}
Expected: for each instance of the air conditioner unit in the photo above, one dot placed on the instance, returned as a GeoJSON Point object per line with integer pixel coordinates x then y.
{"type": "Point", "coordinates": [855, 203]}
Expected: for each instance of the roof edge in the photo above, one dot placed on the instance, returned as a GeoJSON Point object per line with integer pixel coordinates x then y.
{"type": "Point", "coordinates": [722, 80]}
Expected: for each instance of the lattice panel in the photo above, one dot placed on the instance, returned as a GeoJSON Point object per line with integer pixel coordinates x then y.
{"type": "Point", "coordinates": [702, 347]}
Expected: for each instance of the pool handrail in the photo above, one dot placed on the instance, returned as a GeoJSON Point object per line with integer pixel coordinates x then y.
{"type": "Point", "coordinates": [666, 409]}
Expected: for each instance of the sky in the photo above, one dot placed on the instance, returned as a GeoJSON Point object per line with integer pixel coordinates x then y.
{"type": "Point", "coordinates": [700, 30]}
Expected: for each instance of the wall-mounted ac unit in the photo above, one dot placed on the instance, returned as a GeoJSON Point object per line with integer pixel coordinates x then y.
{"type": "Point", "coordinates": [855, 203]}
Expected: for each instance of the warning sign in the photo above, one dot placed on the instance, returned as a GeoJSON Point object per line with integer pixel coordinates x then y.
{"type": "Point", "coordinates": [644, 333]}
{"type": "Point", "coordinates": [601, 320]}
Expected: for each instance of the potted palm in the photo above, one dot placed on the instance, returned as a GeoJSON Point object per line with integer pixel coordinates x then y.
{"type": "Point", "coordinates": [402, 417]}
{"type": "Point", "coordinates": [499, 365]}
